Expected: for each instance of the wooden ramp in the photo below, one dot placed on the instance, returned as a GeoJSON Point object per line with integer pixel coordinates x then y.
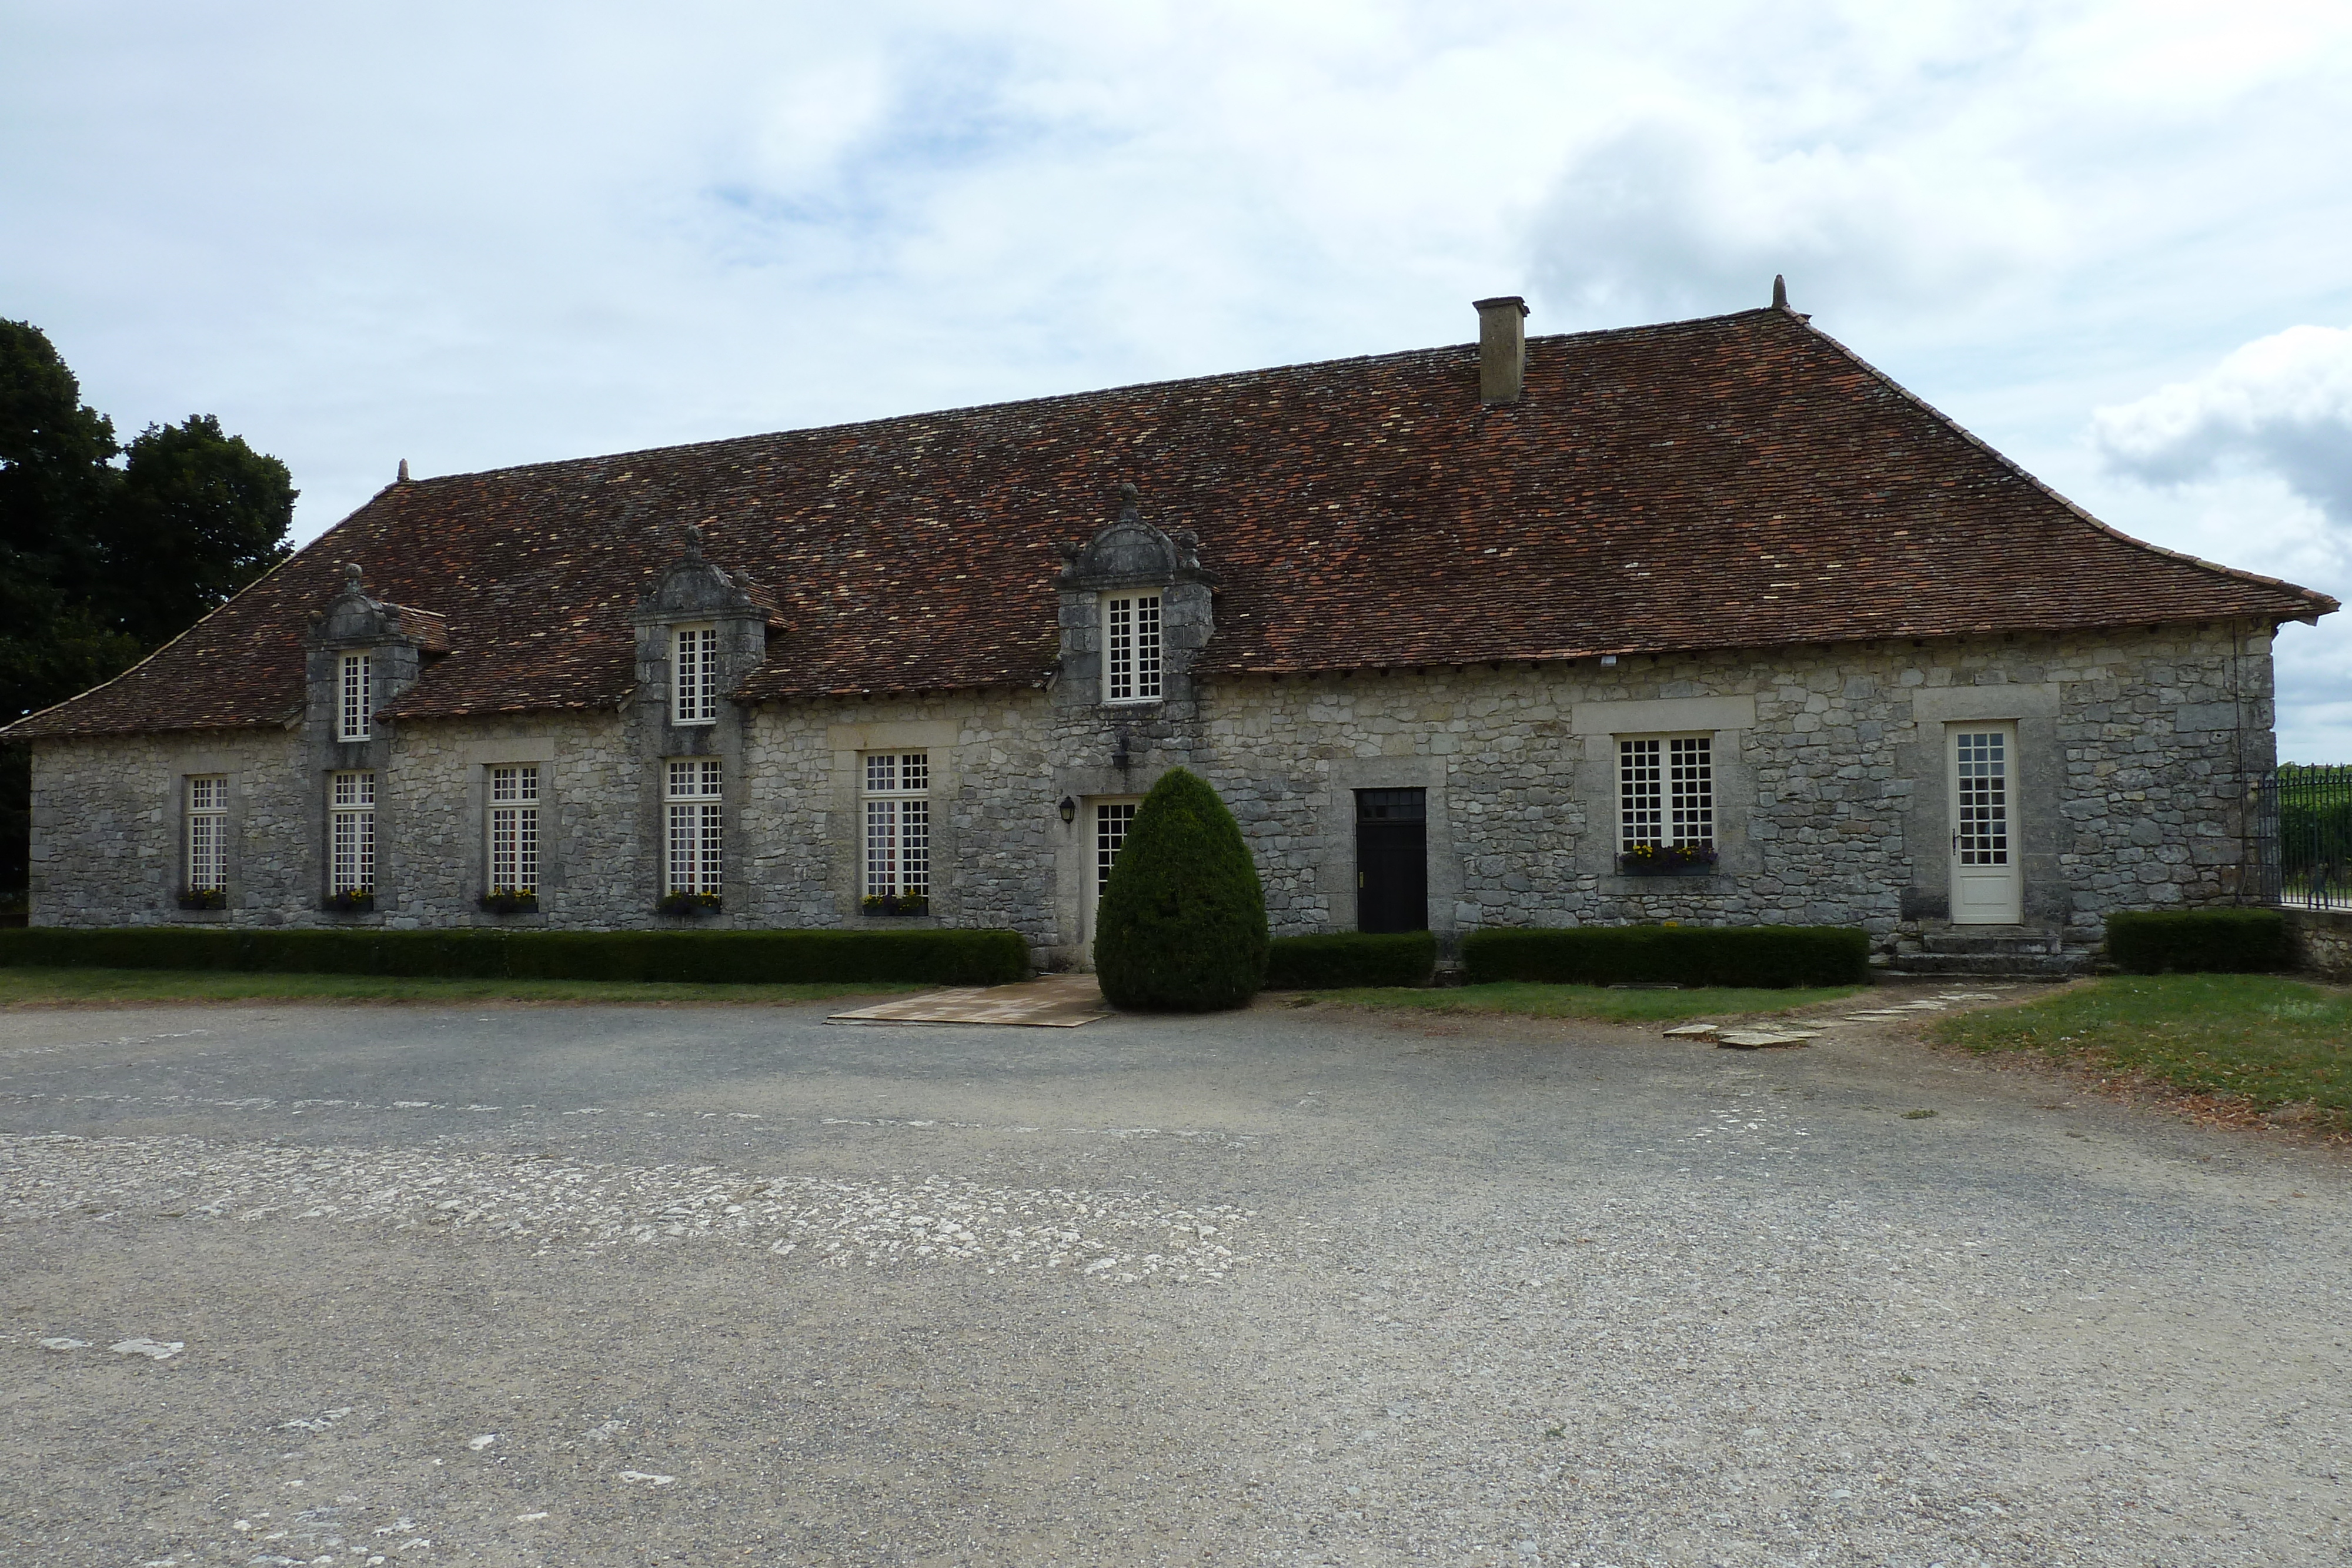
{"type": "Point", "coordinates": [1049, 1001]}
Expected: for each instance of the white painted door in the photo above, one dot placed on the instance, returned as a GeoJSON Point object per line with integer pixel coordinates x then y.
{"type": "Point", "coordinates": [1108, 818]}
{"type": "Point", "coordinates": [1987, 889]}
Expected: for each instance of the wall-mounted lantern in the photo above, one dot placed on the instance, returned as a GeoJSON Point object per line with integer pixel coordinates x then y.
{"type": "Point", "coordinates": [1069, 810]}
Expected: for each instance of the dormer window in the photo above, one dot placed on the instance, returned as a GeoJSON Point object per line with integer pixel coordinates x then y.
{"type": "Point", "coordinates": [1130, 647]}
{"type": "Point", "coordinates": [694, 675]}
{"type": "Point", "coordinates": [358, 693]}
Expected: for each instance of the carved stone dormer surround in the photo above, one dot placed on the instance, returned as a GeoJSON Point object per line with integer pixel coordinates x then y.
{"type": "Point", "coordinates": [695, 592]}
{"type": "Point", "coordinates": [1133, 553]}
{"type": "Point", "coordinates": [396, 639]}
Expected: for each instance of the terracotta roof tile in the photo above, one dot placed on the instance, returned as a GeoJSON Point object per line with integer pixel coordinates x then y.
{"type": "Point", "coordinates": [1739, 481]}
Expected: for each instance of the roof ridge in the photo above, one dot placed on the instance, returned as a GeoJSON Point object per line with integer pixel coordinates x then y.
{"type": "Point", "coordinates": [1301, 370]}
{"type": "Point", "coordinates": [2072, 509]}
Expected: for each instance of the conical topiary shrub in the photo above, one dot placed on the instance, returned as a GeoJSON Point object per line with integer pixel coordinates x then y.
{"type": "Point", "coordinates": [1182, 922]}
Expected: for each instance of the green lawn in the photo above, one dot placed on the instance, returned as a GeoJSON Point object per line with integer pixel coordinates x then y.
{"type": "Point", "coordinates": [1530, 1001]}
{"type": "Point", "coordinates": [34, 986]}
{"type": "Point", "coordinates": [2267, 1041]}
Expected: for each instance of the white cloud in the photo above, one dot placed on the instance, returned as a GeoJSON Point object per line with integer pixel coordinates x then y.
{"type": "Point", "coordinates": [2280, 405]}
{"type": "Point", "coordinates": [1682, 216]}
{"type": "Point", "coordinates": [480, 235]}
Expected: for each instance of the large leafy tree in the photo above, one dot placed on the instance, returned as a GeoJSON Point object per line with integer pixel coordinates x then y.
{"type": "Point", "coordinates": [198, 515]}
{"type": "Point", "coordinates": [106, 554]}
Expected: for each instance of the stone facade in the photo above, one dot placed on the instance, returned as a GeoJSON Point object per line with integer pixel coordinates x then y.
{"type": "Point", "coordinates": [2134, 751]}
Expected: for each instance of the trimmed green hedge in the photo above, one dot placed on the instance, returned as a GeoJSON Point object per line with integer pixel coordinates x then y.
{"type": "Point", "coordinates": [1772, 955]}
{"type": "Point", "coordinates": [1182, 926]}
{"type": "Point", "coordinates": [1350, 958]}
{"type": "Point", "coordinates": [2200, 941]}
{"type": "Point", "coordinates": [939, 957]}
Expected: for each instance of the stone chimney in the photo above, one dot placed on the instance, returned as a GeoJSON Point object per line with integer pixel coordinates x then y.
{"type": "Point", "coordinates": [1502, 349]}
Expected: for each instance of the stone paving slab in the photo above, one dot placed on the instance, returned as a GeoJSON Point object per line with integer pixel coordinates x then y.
{"type": "Point", "coordinates": [1049, 1001]}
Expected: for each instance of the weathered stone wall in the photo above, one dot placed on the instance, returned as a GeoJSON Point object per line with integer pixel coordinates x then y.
{"type": "Point", "coordinates": [2135, 752]}
{"type": "Point", "coordinates": [596, 871]}
{"type": "Point", "coordinates": [109, 818]}
{"type": "Point", "coordinates": [2323, 941]}
{"type": "Point", "coordinates": [993, 813]}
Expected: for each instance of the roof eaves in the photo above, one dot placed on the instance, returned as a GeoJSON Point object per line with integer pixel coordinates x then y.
{"type": "Point", "coordinates": [25, 724]}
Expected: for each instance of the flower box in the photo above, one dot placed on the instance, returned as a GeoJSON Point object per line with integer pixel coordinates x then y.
{"type": "Point", "coordinates": [351, 901]}
{"type": "Point", "coordinates": [894, 903]}
{"type": "Point", "coordinates": [508, 901]}
{"type": "Point", "coordinates": [688, 906]}
{"type": "Point", "coordinates": [204, 898]}
{"type": "Point", "coordinates": [1667, 859]}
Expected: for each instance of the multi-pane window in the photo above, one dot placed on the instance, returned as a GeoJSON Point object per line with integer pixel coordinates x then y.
{"type": "Point", "coordinates": [1112, 821]}
{"type": "Point", "coordinates": [358, 698]}
{"type": "Point", "coordinates": [1981, 759]}
{"type": "Point", "coordinates": [351, 832]}
{"type": "Point", "coordinates": [897, 824]}
{"type": "Point", "coordinates": [694, 675]}
{"type": "Point", "coordinates": [514, 827]}
{"type": "Point", "coordinates": [207, 867]}
{"type": "Point", "coordinates": [693, 802]}
{"type": "Point", "coordinates": [1665, 791]}
{"type": "Point", "coordinates": [1131, 648]}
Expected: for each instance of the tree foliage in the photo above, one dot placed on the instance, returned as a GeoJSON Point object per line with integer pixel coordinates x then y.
{"type": "Point", "coordinates": [107, 553]}
{"type": "Point", "coordinates": [1182, 922]}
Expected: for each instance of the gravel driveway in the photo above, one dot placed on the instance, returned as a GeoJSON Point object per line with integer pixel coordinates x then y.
{"type": "Point", "coordinates": [607, 1285]}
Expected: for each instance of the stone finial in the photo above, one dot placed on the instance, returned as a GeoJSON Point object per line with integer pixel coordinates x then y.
{"type": "Point", "coordinates": [1780, 292]}
{"type": "Point", "coordinates": [352, 575]}
{"type": "Point", "coordinates": [693, 541]}
{"type": "Point", "coordinates": [1130, 502]}
{"type": "Point", "coordinates": [404, 473]}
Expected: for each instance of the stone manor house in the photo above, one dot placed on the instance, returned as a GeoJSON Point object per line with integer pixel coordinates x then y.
{"type": "Point", "coordinates": [1707, 622]}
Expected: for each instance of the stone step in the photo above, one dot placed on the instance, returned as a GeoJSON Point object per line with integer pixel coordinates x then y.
{"type": "Point", "coordinates": [1987, 939]}
{"type": "Point", "coordinates": [2016, 966]}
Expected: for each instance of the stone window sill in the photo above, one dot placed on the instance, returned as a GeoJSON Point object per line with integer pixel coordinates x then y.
{"type": "Point", "coordinates": [1680, 881]}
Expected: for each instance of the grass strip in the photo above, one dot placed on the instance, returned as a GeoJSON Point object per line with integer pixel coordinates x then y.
{"type": "Point", "coordinates": [2257, 1037]}
{"type": "Point", "coordinates": [1526, 998]}
{"type": "Point", "coordinates": [35, 986]}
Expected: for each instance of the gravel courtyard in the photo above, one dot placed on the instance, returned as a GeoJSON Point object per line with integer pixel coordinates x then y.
{"type": "Point", "coordinates": [608, 1285]}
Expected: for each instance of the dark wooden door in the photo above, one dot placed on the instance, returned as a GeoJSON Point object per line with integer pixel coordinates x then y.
{"type": "Point", "coordinates": [1392, 860]}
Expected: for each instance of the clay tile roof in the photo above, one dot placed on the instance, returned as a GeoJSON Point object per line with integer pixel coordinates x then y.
{"type": "Point", "coordinates": [427, 629]}
{"type": "Point", "coordinates": [1740, 481]}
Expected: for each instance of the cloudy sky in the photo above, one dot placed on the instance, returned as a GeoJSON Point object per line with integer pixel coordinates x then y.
{"type": "Point", "coordinates": [2111, 238]}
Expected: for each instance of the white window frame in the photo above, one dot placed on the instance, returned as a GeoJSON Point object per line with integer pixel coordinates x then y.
{"type": "Point", "coordinates": [694, 675]}
{"type": "Point", "coordinates": [694, 837]}
{"type": "Point", "coordinates": [204, 858]}
{"type": "Point", "coordinates": [355, 697]}
{"type": "Point", "coordinates": [1134, 646]}
{"type": "Point", "coordinates": [1665, 790]}
{"type": "Point", "coordinates": [350, 830]}
{"type": "Point", "coordinates": [511, 828]}
{"type": "Point", "coordinates": [1110, 818]}
{"type": "Point", "coordinates": [895, 796]}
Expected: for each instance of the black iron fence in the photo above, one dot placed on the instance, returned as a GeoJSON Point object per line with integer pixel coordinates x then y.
{"type": "Point", "coordinates": [2303, 836]}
